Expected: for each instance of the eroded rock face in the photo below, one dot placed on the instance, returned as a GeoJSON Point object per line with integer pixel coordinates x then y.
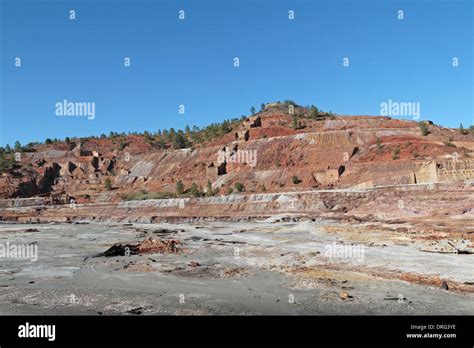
{"type": "Point", "coordinates": [446, 206]}
{"type": "Point", "coordinates": [338, 152]}
{"type": "Point", "coordinates": [45, 181]}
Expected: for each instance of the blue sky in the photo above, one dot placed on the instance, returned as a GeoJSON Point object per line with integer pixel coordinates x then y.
{"type": "Point", "coordinates": [190, 62]}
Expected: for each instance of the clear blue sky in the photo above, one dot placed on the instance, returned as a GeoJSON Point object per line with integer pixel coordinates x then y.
{"type": "Point", "coordinates": [190, 62]}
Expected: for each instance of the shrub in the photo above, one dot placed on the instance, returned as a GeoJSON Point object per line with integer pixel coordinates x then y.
{"type": "Point", "coordinates": [140, 195]}
{"type": "Point", "coordinates": [395, 153]}
{"type": "Point", "coordinates": [229, 190]}
{"type": "Point", "coordinates": [449, 142]}
{"type": "Point", "coordinates": [179, 187]}
{"type": "Point", "coordinates": [209, 191]}
{"type": "Point", "coordinates": [6, 163]}
{"type": "Point", "coordinates": [122, 144]}
{"type": "Point", "coordinates": [239, 186]}
{"type": "Point", "coordinates": [379, 145]}
{"type": "Point", "coordinates": [144, 195]}
{"type": "Point", "coordinates": [108, 184]}
{"type": "Point", "coordinates": [424, 128]}
{"type": "Point", "coordinates": [313, 113]}
{"type": "Point", "coordinates": [296, 180]}
{"type": "Point", "coordinates": [194, 190]}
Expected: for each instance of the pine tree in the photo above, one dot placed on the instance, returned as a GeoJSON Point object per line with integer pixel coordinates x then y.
{"type": "Point", "coordinates": [194, 190]}
{"type": "Point", "coordinates": [179, 141]}
{"type": "Point", "coordinates": [17, 146]}
{"type": "Point", "coordinates": [294, 122]}
{"type": "Point", "coordinates": [314, 112]}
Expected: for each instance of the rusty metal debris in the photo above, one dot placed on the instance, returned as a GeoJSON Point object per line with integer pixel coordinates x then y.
{"type": "Point", "coordinates": [158, 246]}
{"type": "Point", "coordinates": [146, 247]}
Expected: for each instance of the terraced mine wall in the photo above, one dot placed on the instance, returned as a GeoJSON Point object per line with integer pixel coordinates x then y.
{"type": "Point", "coordinates": [417, 201]}
{"type": "Point", "coordinates": [23, 202]}
{"type": "Point", "coordinates": [450, 170]}
{"type": "Point", "coordinates": [403, 173]}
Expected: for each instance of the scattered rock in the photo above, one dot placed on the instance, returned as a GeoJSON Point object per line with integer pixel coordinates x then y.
{"type": "Point", "coordinates": [396, 299]}
{"type": "Point", "coordinates": [120, 250]}
{"type": "Point", "coordinates": [230, 272]}
{"type": "Point", "coordinates": [138, 311]}
{"type": "Point", "coordinates": [194, 264]}
{"type": "Point", "coordinates": [163, 231]}
{"type": "Point", "coordinates": [344, 295]}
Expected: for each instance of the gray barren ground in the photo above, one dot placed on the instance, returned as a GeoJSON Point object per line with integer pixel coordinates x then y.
{"type": "Point", "coordinates": [260, 267]}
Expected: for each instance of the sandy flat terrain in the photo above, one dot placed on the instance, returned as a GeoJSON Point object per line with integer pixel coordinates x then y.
{"type": "Point", "coordinates": [260, 267]}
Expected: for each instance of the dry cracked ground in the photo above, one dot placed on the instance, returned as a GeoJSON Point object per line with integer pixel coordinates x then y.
{"type": "Point", "coordinates": [280, 265]}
